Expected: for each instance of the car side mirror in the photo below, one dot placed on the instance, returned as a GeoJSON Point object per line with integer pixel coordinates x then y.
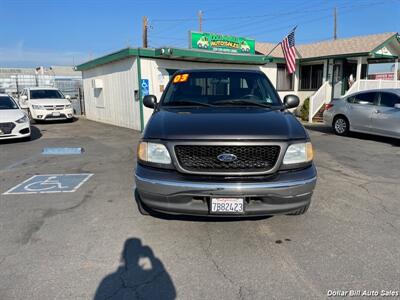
{"type": "Point", "coordinates": [291, 101]}
{"type": "Point", "coordinates": [68, 97]}
{"type": "Point", "coordinates": [24, 97]}
{"type": "Point", "coordinates": [150, 101]}
{"type": "Point", "coordinates": [397, 105]}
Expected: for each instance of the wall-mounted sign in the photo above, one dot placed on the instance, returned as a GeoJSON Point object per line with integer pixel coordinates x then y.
{"type": "Point", "coordinates": [221, 43]}
{"type": "Point", "coordinates": [144, 85]}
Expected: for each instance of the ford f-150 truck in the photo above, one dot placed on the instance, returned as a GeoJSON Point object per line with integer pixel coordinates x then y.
{"type": "Point", "coordinates": [222, 143]}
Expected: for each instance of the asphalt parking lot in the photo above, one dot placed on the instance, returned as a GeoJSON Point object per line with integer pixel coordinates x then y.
{"type": "Point", "coordinates": [93, 243]}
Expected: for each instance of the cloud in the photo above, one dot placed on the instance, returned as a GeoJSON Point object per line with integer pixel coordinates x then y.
{"type": "Point", "coordinates": [18, 56]}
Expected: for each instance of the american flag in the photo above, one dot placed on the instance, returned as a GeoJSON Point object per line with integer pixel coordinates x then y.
{"type": "Point", "coordinates": [289, 51]}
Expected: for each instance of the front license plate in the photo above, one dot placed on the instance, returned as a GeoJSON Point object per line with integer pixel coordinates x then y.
{"type": "Point", "coordinates": [56, 114]}
{"type": "Point", "coordinates": [227, 205]}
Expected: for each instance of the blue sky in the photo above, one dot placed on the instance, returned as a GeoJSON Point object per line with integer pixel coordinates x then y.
{"type": "Point", "coordinates": [66, 32]}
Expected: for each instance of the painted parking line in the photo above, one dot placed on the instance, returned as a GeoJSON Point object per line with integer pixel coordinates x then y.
{"type": "Point", "coordinates": [51, 183]}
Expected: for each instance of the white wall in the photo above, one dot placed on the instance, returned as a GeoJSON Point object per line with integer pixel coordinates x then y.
{"type": "Point", "coordinates": [119, 83]}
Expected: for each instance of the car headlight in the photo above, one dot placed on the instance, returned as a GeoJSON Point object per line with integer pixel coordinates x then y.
{"type": "Point", "coordinates": [24, 119]}
{"type": "Point", "coordinates": [153, 153]}
{"type": "Point", "coordinates": [298, 154]}
{"type": "Point", "coordinates": [37, 107]}
{"type": "Point", "coordinates": [68, 106]}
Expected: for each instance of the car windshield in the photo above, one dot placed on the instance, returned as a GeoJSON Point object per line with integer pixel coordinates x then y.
{"type": "Point", "coordinates": [220, 88]}
{"type": "Point", "coordinates": [7, 103]}
{"type": "Point", "coordinates": [46, 94]}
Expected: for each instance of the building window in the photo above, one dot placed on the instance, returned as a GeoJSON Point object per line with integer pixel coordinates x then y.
{"type": "Point", "coordinates": [284, 80]}
{"type": "Point", "coordinates": [311, 77]}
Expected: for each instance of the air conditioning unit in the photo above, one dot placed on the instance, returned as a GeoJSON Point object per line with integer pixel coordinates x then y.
{"type": "Point", "coordinates": [97, 83]}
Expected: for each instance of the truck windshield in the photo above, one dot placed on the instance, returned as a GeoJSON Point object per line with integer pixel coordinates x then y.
{"type": "Point", "coordinates": [7, 103]}
{"type": "Point", "coordinates": [46, 94]}
{"type": "Point", "coordinates": [220, 88]}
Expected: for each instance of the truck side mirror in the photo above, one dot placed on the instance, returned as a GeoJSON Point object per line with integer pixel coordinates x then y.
{"type": "Point", "coordinates": [291, 101]}
{"type": "Point", "coordinates": [24, 97]}
{"type": "Point", "coordinates": [150, 101]}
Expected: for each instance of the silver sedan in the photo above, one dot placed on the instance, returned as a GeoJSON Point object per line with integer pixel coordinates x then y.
{"type": "Point", "coordinates": [372, 111]}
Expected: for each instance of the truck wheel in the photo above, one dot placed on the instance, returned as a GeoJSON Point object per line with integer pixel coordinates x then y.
{"type": "Point", "coordinates": [300, 211]}
{"type": "Point", "coordinates": [141, 207]}
{"type": "Point", "coordinates": [341, 125]}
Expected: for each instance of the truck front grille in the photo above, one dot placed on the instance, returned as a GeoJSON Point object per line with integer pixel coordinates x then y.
{"type": "Point", "coordinates": [6, 128]}
{"type": "Point", "coordinates": [204, 158]}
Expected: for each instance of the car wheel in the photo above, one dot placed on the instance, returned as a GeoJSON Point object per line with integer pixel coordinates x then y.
{"type": "Point", "coordinates": [300, 211]}
{"type": "Point", "coordinates": [341, 126]}
{"type": "Point", "coordinates": [30, 117]}
{"type": "Point", "coordinates": [141, 207]}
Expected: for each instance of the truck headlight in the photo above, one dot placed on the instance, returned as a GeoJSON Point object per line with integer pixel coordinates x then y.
{"type": "Point", "coordinates": [68, 106]}
{"type": "Point", "coordinates": [38, 107]}
{"type": "Point", "coordinates": [298, 154]}
{"type": "Point", "coordinates": [154, 153]}
{"type": "Point", "coordinates": [24, 119]}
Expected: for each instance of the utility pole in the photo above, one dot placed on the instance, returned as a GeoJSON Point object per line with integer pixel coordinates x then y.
{"type": "Point", "coordinates": [200, 14]}
{"type": "Point", "coordinates": [334, 24]}
{"type": "Point", "coordinates": [144, 32]}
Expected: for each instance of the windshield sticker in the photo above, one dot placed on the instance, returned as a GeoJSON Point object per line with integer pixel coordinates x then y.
{"type": "Point", "coordinates": [181, 78]}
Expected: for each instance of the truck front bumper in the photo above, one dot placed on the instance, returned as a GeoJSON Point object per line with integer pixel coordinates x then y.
{"type": "Point", "coordinates": [175, 193]}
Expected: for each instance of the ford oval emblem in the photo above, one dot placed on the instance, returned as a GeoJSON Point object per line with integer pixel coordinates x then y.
{"type": "Point", "coordinates": [227, 157]}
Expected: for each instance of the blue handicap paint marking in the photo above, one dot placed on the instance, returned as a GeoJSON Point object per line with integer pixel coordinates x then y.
{"type": "Point", "coordinates": [62, 151]}
{"type": "Point", "coordinates": [52, 183]}
{"type": "Point", "coordinates": [144, 83]}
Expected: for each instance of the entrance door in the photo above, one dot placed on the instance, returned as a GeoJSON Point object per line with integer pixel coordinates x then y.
{"type": "Point", "coordinates": [337, 79]}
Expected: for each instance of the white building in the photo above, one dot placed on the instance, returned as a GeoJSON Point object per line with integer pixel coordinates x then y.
{"type": "Point", "coordinates": [115, 84]}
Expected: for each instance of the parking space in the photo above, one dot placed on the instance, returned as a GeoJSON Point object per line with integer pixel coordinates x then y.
{"type": "Point", "coordinates": [92, 242]}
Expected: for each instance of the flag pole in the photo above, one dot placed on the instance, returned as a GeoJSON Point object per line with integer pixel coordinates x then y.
{"type": "Point", "coordinates": [273, 49]}
{"type": "Point", "coordinates": [294, 28]}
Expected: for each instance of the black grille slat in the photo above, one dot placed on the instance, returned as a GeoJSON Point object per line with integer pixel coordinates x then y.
{"type": "Point", "coordinates": [7, 128]}
{"type": "Point", "coordinates": [203, 158]}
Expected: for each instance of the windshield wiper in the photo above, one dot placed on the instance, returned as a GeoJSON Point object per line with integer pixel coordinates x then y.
{"type": "Point", "coordinates": [189, 103]}
{"type": "Point", "coordinates": [243, 101]}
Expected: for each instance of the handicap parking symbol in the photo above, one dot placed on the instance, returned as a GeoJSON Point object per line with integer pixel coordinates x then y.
{"type": "Point", "coordinates": [53, 183]}
{"type": "Point", "coordinates": [145, 87]}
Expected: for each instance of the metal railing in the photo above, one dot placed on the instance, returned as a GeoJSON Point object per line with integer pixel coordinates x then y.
{"type": "Point", "coordinates": [369, 84]}
{"type": "Point", "coordinates": [318, 100]}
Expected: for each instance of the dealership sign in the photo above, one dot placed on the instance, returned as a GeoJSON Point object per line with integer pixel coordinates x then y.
{"type": "Point", "coordinates": [221, 43]}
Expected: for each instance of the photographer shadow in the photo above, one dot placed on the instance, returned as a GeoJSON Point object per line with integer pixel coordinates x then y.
{"type": "Point", "coordinates": [140, 276]}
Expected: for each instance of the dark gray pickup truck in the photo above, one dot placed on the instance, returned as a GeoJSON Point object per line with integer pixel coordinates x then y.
{"type": "Point", "coordinates": [221, 143]}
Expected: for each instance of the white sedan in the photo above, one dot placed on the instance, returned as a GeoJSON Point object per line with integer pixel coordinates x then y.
{"type": "Point", "coordinates": [14, 122]}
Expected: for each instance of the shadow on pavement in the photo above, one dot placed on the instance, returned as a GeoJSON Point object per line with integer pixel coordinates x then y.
{"type": "Point", "coordinates": [361, 136]}
{"type": "Point", "coordinates": [140, 276]}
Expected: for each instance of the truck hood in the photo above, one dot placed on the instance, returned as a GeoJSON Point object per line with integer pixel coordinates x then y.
{"type": "Point", "coordinates": [49, 102]}
{"type": "Point", "coordinates": [223, 123]}
{"type": "Point", "coordinates": [10, 115]}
